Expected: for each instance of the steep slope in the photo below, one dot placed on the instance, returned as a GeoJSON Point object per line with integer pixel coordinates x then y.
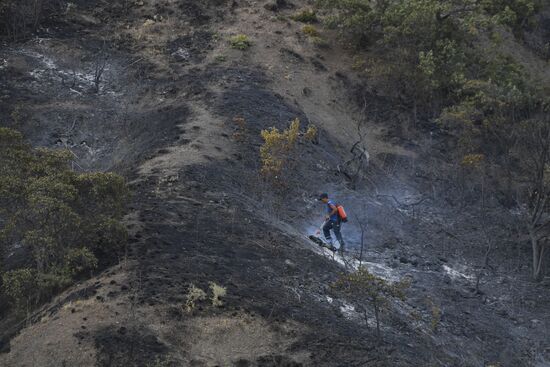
{"type": "Point", "coordinates": [165, 116]}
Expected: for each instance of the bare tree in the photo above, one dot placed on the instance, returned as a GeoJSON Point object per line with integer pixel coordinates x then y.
{"type": "Point", "coordinates": [363, 227]}
{"type": "Point", "coordinates": [536, 205]}
{"type": "Point", "coordinates": [362, 220]}
{"type": "Point", "coordinates": [355, 166]}
{"type": "Point", "coordinates": [363, 288]}
{"type": "Point", "coordinates": [99, 66]}
{"type": "Point", "coordinates": [18, 18]}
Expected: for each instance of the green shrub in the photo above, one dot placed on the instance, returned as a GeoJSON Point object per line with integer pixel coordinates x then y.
{"type": "Point", "coordinates": [423, 48]}
{"type": "Point", "coordinates": [220, 58]}
{"type": "Point", "coordinates": [320, 42]}
{"type": "Point", "coordinates": [160, 362]}
{"type": "Point", "coordinates": [310, 30]}
{"type": "Point", "coordinates": [20, 286]}
{"type": "Point", "coordinates": [240, 42]}
{"type": "Point", "coordinates": [65, 220]}
{"type": "Point", "coordinates": [194, 295]}
{"type": "Point", "coordinates": [359, 64]}
{"type": "Point", "coordinates": [513, 13]}
{"type": "Point", "coordinates": [79, 260]}
{"type": "Point", "coordinates": [305, 16]}
{"type": "Point", "coordinates": [312, 133]}
{"type": "Point", "coordinates": [218, 292]}
{"type": "Point", "coordinates": [52, 282]}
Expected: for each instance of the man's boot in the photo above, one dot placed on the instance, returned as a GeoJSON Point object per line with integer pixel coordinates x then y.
{"type": "Point", "coordinates": [330, 243]}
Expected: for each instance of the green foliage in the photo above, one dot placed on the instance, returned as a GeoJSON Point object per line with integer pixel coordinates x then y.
{"type": "Point", "coordinates": [419, 51]}
{"type": "Point", "coordinates": [424, 47]}
{"type": "Point", "coordinates": [281, 18]}
{"type": "Point", "coordinates": [320, 42]}
{"type": "Point", "coordinates": [160, 362]}
{"type": "Point", "coordinates": [425, 51]}
{"type": "Point", "coordinates": [240, 42]}
{"type": "Point", "coordinates": [305, 16]}
{"type": "Point", "coordinates": [220, 58]}
{"type": "Point", "coordinates": [489, 110]}
{"type": "Point", "coordinates": [65, 220]}
{"type": "Point", "coordinates": [78, 260]}
{"type": "Point", "coordinates": [20, 286]}
{"type": "Point", "coordinates": [514, 13]}
{"type": "Point", "coordinates": [358, 63]}
{"type": "Point", "coordinates": [17, 114]}
{"type": "Point", "coordinates": [52, 282]}
{"type": "Point", "coordinates": [446, 59]}
{"type": "Point", "coordinates": [310, 30]}
{"type": "Point", "coordinates": [435, 313]}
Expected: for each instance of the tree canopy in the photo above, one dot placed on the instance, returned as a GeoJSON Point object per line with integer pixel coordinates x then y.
{"type": "Point", "coordinates": [65, 220]}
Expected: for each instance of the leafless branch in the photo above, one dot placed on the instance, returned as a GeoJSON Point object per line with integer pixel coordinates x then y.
{"type": "Point", "coordinates": [100, 64]}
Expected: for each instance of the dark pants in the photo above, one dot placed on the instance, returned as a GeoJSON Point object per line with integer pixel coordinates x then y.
{"type": "Point", "coordinates": [335, 226]}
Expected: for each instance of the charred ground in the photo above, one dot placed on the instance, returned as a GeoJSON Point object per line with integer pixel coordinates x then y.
{"type": "Point", "coordinates": [199, 214]}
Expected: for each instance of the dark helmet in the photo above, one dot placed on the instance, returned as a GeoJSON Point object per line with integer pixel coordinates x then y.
{"type": "Point", "coordinates": [323, 196]}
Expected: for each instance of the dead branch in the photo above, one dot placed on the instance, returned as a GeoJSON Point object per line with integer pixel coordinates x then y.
{"type": "Point", "coordinates": [99, 67]}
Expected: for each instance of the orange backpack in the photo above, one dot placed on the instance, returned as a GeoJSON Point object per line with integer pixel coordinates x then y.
{"type": "Point", "coordinates": [342, 213]}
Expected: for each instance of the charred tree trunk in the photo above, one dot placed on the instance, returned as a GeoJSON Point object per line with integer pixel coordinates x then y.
{"type": "Point", "coordinates": [538, 256]}
{"type": "Point", "coordinates": [377, 316]}
{"type": "Point", "coordinates": [362, 226]}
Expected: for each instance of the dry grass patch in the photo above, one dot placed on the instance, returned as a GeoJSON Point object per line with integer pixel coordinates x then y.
{"type": "Point", "coordinates": [223, 340]}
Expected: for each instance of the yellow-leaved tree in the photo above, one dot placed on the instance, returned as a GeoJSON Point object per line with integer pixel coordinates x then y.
{"type": "Point", "coordinates": [277, 152]}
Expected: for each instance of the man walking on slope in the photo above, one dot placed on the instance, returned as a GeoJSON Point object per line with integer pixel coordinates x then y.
{"type": "Point", "coordinates": [332, 221]}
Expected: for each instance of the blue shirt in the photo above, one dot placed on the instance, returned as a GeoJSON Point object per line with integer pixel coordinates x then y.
{"type": "Point", "coordinates": [334, 217]}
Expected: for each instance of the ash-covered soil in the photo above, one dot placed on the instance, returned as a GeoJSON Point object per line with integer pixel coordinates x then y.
{"type": "Point", "coordinates": [164, 116]}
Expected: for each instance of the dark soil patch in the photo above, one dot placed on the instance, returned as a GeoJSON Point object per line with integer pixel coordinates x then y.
{"type": "Point", "coordinates": [194, 11]}
{"type": "Point", "coordinates": [245, 88]}
{"type": "Point", "coordinates": [127, 347]}
{"type": "Point", "coordinates": [110, 130]}
{"type": "Point", "coordinates": [318, 64]}
{"type": "Point", "coordinates": [292, 55]}
{"type": "Point", "coordinates": [191, 48]}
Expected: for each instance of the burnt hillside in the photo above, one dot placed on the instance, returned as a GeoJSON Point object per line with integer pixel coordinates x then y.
{"type": "Point", "coordinates": [216, 268]}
